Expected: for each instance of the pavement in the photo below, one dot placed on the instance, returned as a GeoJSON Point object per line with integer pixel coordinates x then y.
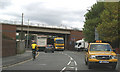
{"type": "Point", "coordinates": [7, 61]}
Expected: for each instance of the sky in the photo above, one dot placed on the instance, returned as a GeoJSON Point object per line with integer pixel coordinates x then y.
{"type": "Point", "coordinates": [69, 13]}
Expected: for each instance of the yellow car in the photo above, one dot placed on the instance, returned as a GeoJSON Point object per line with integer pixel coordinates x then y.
{"type": "Point", "coordinates": [100, 54]}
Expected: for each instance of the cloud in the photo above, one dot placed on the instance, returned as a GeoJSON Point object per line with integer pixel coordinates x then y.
{"type": "Point", "coordinates": [39, 12]}
{"type": "Point", "coordinates": [50, 12]}
{"type": "Point", "coordinates": [5, 3]}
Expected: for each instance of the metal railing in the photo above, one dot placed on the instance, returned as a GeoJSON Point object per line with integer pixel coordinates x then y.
{"type": "Point", "coordinates": [18, 22]}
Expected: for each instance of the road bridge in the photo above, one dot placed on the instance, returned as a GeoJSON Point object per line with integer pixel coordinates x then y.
{"type": "Point", "coordinates": [68, 34]}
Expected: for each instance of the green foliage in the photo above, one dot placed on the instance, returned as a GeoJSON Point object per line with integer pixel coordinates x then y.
{"type": "Point", "coordinates": [92, 18]}
{"type": "Point", "coordinates": [108, 28]}
{"type": "Point", "coordinates": [106, 18]}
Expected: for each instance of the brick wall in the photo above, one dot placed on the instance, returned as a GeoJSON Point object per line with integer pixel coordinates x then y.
{"type": "Point", "coordinates": [117, 50]}
{"type": "Point", "coordinates": [8, 40]}
{"type": "Point", "coordinates": [9, 31]}
{"type": "Point", "coordinates": [77, 35]}
{"type": "Point", "coordinates": [8, 47]}
{"type": "Point", "coordinates": [74, 36]}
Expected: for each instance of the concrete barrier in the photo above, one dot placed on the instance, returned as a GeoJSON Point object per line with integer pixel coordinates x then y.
{"type": "Point", "coordinates": [20, 47]}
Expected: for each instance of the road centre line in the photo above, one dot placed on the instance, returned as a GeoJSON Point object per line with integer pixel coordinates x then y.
{"type": "Point", "coordinates": [75, 62]}
{"type": "Point", "coordinates": [63, 69]}
{"type": "Point", "coordinates": [71, 59]}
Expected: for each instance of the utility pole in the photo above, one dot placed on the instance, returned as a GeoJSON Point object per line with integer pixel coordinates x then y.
{"type": "Point", "coordinates": [22, 29]}
{"type": "Point", "coordinates": [96, 34]}
{"type": "Point", "coordinates": [28, 35]}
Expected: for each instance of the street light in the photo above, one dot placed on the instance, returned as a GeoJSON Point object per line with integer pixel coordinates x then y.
{"type": "Point", "coordinates": [28, 33]}
{"type": "Point", "coordinates": [22, 29]}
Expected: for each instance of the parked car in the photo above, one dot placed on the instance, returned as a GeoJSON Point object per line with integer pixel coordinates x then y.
{"type": "Point", "coordinates": [49, 48]}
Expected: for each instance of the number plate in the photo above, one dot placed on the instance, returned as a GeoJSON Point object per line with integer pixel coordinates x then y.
{"type": "Point", "coordinates": [103, 61]}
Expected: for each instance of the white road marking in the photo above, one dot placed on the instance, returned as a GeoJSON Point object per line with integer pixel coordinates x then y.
{"type": "Point", "coordinates": [71, 67]}
{"type": "Point", "coordinates": [75, 62]}
{"type": "Point", "coordinates": [65, 54]}
{"type": "Point", "coordinates": [69, 63]}
{"type": "Point", "coordinates": [63, 69]}
{"type": "Point", "coordinates": [76, 68]}
{"type": "Point", "coordinates": [70, 57]}
{"type": "Point", "coordinates": [42, 64]}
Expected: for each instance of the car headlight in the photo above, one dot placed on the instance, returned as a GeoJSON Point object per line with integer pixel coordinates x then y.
{"type": "Point", "coordinates": [92, 57]}
{"type": "Point", "coordinates": [114, 57]}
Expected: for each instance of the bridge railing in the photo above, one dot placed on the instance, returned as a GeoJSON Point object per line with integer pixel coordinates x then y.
{"type": "Point", "coordinates": [18, 22]}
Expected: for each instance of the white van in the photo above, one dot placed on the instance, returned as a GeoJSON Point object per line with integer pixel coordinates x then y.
{"type": "Point", "coordinates": [80, 45]}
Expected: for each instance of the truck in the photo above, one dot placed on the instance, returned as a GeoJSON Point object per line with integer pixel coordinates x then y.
{"type": "Point", "coordinates": [41, 41]}
{"type": "Point", "coordinates": [80, 45]}
{"type": "Point", "coordinates": [59, 43]}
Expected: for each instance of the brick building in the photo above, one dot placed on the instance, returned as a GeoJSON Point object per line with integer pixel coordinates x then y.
{"type": "Point", "coordinates": [8, 40]}
{"type": "Point", "coordinates": [74, 36]}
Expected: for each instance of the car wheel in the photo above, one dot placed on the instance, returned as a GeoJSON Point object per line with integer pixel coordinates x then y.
{"type": "Point", "coordinates": [45, 51]}
{"type": "Point", "coordinates": [89, 66]}
{"type": "Point", "coordinates": [52, 51]}
{"type": "Point", "coordinates": [86, 63]}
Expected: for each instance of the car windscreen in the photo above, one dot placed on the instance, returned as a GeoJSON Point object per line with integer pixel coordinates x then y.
{"type": "Point", "coordinates": [100, 47]}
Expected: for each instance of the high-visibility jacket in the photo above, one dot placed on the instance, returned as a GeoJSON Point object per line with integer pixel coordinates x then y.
{"type": "Point", "coordinates": [34, 46]}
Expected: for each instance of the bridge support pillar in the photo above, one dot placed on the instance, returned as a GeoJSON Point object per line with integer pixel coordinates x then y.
{"type": "Point", "coordinates": [66, 40]}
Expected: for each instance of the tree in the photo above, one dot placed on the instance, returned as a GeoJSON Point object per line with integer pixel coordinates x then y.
{"type": "Point", "coordinates": [108, 28]}
{"type": "Point", "coordinates": [92, 19]}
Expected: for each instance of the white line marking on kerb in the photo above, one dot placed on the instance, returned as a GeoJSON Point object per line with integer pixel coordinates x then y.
{"type": "Point", "coordinates": [69, 63]}
{"type": "Point", "coordinates": [20, 62]}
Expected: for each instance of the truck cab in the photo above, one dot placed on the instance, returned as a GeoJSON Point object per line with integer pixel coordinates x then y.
{"type": "Point", "coordinates": [100, 54]}
{"type": "Point", "coordinates": [59, 43]}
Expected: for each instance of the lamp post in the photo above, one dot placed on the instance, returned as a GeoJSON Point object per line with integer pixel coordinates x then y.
{"type": "Point", "coordinates": [28, 34]}
{"type": "Point", "coordinates": [22, 29]}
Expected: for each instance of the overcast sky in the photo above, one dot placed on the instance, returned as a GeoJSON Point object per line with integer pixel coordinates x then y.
{"type": "Point", "coordinates": [50, 12]}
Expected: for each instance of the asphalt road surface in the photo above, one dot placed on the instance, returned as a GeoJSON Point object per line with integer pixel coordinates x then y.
{"type": "Point", "coordinates": [59, 61]}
